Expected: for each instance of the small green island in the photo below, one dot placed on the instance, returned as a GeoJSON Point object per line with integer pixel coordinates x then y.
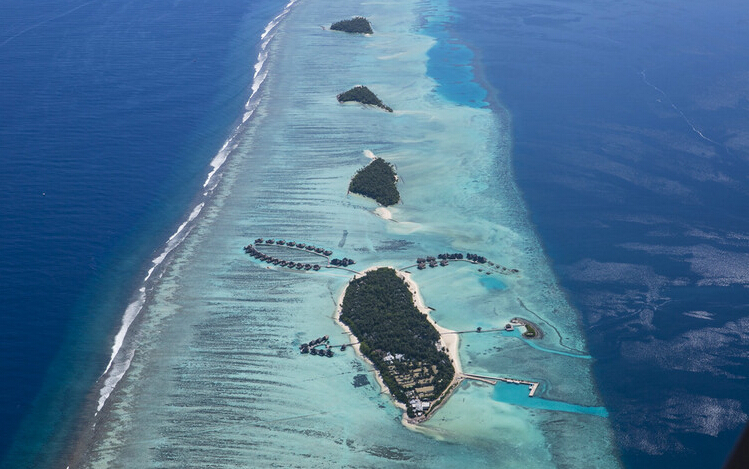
{"type": "Point", "coordinates": [399, 340]}
{"type": "Point", "coordinates": [377, 181]}
{"type": "Point", "coordinates": [357, 25]}
{"type": "Point", "coordinates": [362, 94]}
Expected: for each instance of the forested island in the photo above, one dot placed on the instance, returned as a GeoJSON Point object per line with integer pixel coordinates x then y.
{"type": "Point", "coordinates": [358, 24]}
{"type": "Point", "coordinates": [377, 181]}
{"type": "Point", "coordinates": [362, 94]}
{"type": "Point", "coordinates": [399, 340]}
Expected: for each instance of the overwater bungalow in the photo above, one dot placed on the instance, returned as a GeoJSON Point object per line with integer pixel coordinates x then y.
{"type": "Point", "coordinates": [310, 248]}
{"type": "Point", "coordinates": [421, 266]}
{"type": "Point", "coordinates": [299, 266]}
{"type": "Point", "coordinates": [276, 261]}
{"type": "Point", "coordinates": [325, 338]}
{"type": "Point", "coordinates": [327, 253]}
{"type": "Point", "coordinates": [431, 259]}
{"type": "Point", "coordinates": [319, 250]}
{"type": "Point", "coordinates": [343, 348]}
{"type": "Point", "coordinates": [291, 243]}
{"type": "Point", "coordinates": [280, 242]}
{"type": "Point", "coordinates": [307, 266]}
{"type": "Point", "coordinates": [432, 263]}
{"type": "Point", "coordinates": [313, 351]}
{"type": "Point", "coordinates": [329, 353]}
{"type": "Point", "coordinates": [259, 240]}
{"type": "Point", "coordinates": [315, 267]}
{"type": "Point", "coordinates": [269, 241]}
{"type": "Point", "coordinates": [283, 263]}
{"type": "Point", "coordinates": [443, 262]}
{"type": "Point", "coordinates": [420, 260]}
{"type": "Point", "coordinates": [508, 327]}
{"type": "Point", "coordinates": [300, 245]}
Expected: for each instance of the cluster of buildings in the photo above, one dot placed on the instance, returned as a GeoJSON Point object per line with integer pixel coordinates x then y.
{"type": "Point", "coordinates": [320, 347]}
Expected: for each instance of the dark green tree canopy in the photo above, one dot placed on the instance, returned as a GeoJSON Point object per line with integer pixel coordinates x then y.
{"type": "Point", "coordinates": [379, 310]}
{"type": "Point", "coordinates": [362, 94]}
{"type": "Point", "coordinates": [377, 181]}
{"type": "Point", "coordinates": [358, 24]}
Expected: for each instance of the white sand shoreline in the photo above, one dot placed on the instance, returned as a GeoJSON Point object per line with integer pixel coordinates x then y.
{"type": "Point", "coordinates": [384, 213]}
{"type": "Point", "coordinates": [449, 338]}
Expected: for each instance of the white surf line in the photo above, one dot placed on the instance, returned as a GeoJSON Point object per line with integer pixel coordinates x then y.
{"type": "Point", "coordinates": [261, 73]}
{"type": "Point", "coordinates": [118, 365]}
{"type": "Point", "coordinates": [683, 116]}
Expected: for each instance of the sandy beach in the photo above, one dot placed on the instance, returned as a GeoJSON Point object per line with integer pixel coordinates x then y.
{"type": "Point", "coordinates": [449, 338]}
{"type": "Point", "coordinates": [383, 213]}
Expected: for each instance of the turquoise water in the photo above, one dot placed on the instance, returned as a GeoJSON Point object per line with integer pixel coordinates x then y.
{"type": "Point", "coordinates": [209, 373]}
{"type": "Point", "coordinates": [492, 283]}
{"type": "Point", "coordinates": [451, 63]}
{"type": "Point", "coordinates": [517, 394]}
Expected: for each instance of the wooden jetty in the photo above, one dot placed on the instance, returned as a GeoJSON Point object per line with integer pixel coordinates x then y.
{"type": "Point", "coordinates": [493, 380]}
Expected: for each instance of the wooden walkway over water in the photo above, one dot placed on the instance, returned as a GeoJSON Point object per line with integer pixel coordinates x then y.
{"type": "Point", "coordinates": [493, 380]}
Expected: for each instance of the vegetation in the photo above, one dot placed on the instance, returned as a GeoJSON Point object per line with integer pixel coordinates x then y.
{"type": "Point", "coordinates": [362, 94]}
{"type": "Point", "coordinates": [377, 181]}
{"type": "Point", "coordinates": [396, 336]}
{"type": "Point", "coordinates": [529, 331]}
{"type": "Point", "coordinates": [358, 24]}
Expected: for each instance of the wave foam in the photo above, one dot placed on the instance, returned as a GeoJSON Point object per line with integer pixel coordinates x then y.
{"type": "Point", "coordinates": [258, 78]}
{"type": "Point", "coordinates": [119, 361]}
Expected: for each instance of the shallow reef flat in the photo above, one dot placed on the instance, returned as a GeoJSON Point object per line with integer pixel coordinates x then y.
{"type": "Point", "coordinates": [217, 380]}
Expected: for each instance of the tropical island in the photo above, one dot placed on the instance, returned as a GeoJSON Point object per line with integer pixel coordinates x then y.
{"type": "Point", "coordinates": [376, 181]}
{"type": "Point", "coordinates": [399, 340]}
{"type": "Point", "coordinates": [357, 25]}
{"type": "Point", "coordinates": [362, 94]}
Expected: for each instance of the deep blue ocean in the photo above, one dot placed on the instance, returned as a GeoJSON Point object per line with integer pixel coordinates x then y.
{"type": "Point", "coordinates": [632, 152]}
{"type": "Point", "coordinates": [630, 146]}
{"type": "Point", "coordinates": [110, 113]}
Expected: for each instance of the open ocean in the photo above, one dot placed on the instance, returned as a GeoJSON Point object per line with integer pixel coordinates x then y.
{"type": "Point", "coordinates": [144, 144]}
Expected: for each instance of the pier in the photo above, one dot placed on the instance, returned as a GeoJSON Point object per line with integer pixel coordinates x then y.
{"type": "Point", "coordinates": [322, 347]}
{"type": "Point", "coordinates": [493, 380]}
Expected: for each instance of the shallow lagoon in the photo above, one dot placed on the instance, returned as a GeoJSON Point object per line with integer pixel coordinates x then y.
{"type": "Point", "coordinates": [216, 377]}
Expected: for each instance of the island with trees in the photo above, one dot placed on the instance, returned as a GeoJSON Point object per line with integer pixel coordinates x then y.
{"type": "Point", "coordinates": [405, 348]}
{"type": "Point", "coordinates": [377, 181]}
{"type": "Point", "coordinates": [362, 94]}
{"type": "Point", "coordinates": [357, 25]}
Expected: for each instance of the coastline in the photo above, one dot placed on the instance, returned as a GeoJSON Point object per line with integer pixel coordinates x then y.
{"type": "Point", "coordinates": [449, 338]}
{"type": "Point", "coordinates": [218, 330]}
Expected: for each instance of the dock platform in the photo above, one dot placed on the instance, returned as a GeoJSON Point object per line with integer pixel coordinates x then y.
{"type": "Point", "coordinates": [493, 380]}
